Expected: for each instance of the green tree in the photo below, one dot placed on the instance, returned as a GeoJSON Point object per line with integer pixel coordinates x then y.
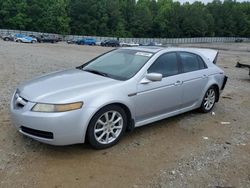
{"type": "Point", "coordinates": [142, 20]}
{"type": "Point", "coordinates": [128, 18]}
{"type": "Point", "coordinates": [14, 14]}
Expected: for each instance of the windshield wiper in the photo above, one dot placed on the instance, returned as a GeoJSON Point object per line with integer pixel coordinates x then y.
{"type": "Point", "coordinates": [96, 72]}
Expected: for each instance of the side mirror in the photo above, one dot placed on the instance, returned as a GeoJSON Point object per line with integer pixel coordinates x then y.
{"type": "Point", "coordinates": [151, 77]}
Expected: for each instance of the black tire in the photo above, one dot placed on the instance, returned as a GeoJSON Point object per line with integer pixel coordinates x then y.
{"type": "Point", "coordinates": [204, 107]}
{"type": "Point", "coordinates": [93, 123]}
{"type": "Point", "coordinates": [33, 41]}
{"type": "Point", "coordinates": [19, 41]}
{"type": "Point", "coordinates": [6, 39]}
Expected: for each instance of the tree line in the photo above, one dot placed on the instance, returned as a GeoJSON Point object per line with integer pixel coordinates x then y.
{"type": "Point", "coordinates": [128, 18]}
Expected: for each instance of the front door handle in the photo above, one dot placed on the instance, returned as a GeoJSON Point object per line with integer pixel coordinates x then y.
{"type": "Point", "coordinates": [177, 83]}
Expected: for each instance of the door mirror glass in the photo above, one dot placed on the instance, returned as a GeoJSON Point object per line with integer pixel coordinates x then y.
{"type": "Point", "coordinates": [154, 77]}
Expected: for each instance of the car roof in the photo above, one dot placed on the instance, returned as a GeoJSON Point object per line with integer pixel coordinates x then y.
{"type": "Point", "coordinates": [152, 49]}
{"type": "Point", "coordinates": [210, 54]}
{"type": "Point", "coordinates": [155, 49]}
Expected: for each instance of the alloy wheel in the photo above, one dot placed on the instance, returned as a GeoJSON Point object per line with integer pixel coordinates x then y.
{"type": "Point", "coordinates": [209, 99]}
{"type": "Point", "coordinates": [108, 127]}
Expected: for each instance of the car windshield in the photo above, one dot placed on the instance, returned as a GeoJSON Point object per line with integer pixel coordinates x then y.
{"type": "Point", "coordinates": [120, 64]}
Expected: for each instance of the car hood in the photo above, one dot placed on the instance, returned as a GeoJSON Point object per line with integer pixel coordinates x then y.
{"type": "Point", "coordinates": [63, 86]}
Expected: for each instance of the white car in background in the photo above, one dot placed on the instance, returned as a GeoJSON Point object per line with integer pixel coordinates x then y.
{"type": "Point", "coordinates": [24, 38]}
{"type": "Point", "coordinates": [128, 44]}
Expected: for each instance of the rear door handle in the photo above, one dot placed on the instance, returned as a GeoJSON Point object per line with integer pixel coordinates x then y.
{"type": "Point", "coordinates": [177, 83]}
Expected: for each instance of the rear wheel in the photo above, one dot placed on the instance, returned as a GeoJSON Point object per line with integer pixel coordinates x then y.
{"type": "Point", "coordinates": [107, 127]}
{"type": "Point", "coordinates": [19, 41]}
{"type": "Point", "coordinates": [209, 100]}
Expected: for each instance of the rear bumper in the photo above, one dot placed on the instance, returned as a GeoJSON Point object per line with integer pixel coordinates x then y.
{"type": "Point", "coordinates": [224, 82]}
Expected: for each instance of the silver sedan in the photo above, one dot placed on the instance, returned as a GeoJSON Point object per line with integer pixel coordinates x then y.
{"type": "Point", "coordinates": [117, 91]}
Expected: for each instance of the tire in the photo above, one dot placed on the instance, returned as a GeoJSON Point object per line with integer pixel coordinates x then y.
{"type": "Point", "coordinates": [33, 41]}
{"type": "Point", "coordinates": [19, 41]}
{"type": "Point", "coordinates": [209, 100]}
{"type": "Point", "coordinates": [102, 132]}
{"type": "Point", "coordinates": [6, 39]}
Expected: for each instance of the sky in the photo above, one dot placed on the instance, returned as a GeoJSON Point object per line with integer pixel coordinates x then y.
{"type": "Point", "coordinates": [204, 1]}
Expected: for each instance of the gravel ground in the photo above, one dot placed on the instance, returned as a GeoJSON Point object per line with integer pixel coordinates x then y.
{"type": "Point", "coordinates": [189, 150]}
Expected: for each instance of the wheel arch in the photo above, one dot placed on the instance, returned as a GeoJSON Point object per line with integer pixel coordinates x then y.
{"type": "Point", "coordinates": [212, 83]}
{"type": "Point", "coordinates": [217, 91]}
{"type": "Point", "coordinates": [130, 119]}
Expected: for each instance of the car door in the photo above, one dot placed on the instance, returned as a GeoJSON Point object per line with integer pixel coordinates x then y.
{"type": "Point", "coordinates": [160, 97]}
{"type": "Point", "coordinates": [194, 78]}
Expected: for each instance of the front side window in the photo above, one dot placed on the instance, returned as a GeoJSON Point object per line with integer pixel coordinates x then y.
{"type": "Point", "coordinates": [189, 62]}
{"type": "Point", "coordinates": [166, 65]}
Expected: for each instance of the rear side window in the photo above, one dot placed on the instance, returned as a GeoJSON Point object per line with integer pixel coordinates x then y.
{"type": "Point", "coordinates": [201, 63]}
{"type": "Point", "coordinates": [166, 65]}
{"type": "Point", "coordinates": [189, 62]}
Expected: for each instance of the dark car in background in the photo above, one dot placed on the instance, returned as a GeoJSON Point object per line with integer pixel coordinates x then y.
{"type": "Point", "coordinates": [8, 37]}
{"type": "Point", "coordinates": [111, 43]}
{"type": "Point", "coordinates": [86, 41]}
{"type": "Point", "coordinates": [46, 38]}
{"type": "Point", "coordinates": [238, 40]}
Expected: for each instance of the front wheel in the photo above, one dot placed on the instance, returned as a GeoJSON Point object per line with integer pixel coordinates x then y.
{"type": "Point", "coordinates": [209, 100]}
{"type": "Point", "coordinates": [107, 127]}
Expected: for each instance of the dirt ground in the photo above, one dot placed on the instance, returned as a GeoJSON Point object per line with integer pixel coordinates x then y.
{"type": "Point", "coordinates": [189, 150]}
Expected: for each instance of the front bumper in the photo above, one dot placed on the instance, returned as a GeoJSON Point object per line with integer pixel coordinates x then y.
{"type": "Point", "coordinates": [63, 128]}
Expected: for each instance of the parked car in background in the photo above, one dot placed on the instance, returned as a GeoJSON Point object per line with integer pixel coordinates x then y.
{"type": "Point", "coordinates": [24, 38]}
{"type": "Point", "coordinates": [72, 41]}
{"type": "Point", "coordinates": [128, 44]}
{"type": "Point", "coordinates": [152, 44]}
{"type": "Point", "coordinates": [132, 44]}
{"type": "Point", "coordinates": [8, 37]}
{"type": "Point", "coordinates": [238, 40]}
{"type": "Point", "coordinates": [98, 43]}
{"type": "Point", "coordinates": [46, 38]}
{"type": "Point", "coordinates": [117, 91]}
{"type": "Point", "coordinates": [86, 41]}
{"type": "Point", "coordinates": [111, 43]}
{"type": "Point", "coordinates": [123, 44]}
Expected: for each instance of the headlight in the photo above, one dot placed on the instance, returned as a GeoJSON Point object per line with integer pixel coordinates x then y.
{"type": "Point", "coordinates": [40, 107]}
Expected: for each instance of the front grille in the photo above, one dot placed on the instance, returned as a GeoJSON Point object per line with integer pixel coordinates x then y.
{"type": "Point", "coordinates": [39, 133]}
